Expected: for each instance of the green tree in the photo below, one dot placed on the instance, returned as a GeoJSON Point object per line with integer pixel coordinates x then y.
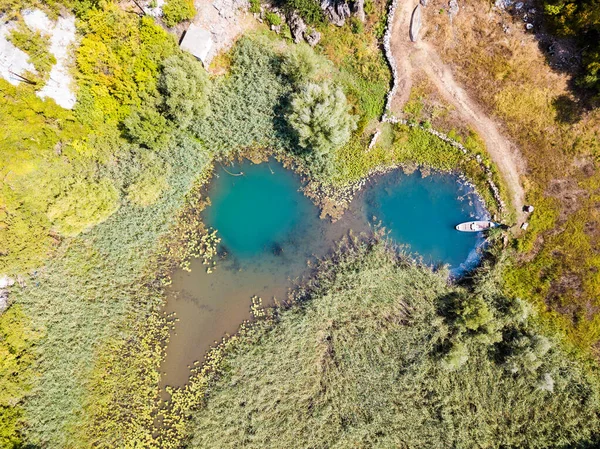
{"type": "Point", "coordinates": [301, 64]}
{"type": "Point", "coordinates": [83, 204]}
{"type": "Point", "coordinates": [176, 11]}
{"type": "Point", "coordinates": [184, 84]}
{"type": "Point", "coordinates": [147, 127]}
{"type": "Point", "coordinates": [320, 115]}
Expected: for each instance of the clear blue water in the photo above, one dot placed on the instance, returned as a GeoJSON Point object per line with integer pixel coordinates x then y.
{"type": "Point", "coordinates": [269, 231]}
{"type": "Point", "coordinates": [256, 212]}
{"type": "Point", "coordinates": [421, 213]}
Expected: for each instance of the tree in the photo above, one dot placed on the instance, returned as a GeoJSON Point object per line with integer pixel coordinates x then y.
{"type": "Point", "coordinates": [176, 11]}
{"type": "Point", "coordinates": [301, 64]}
{"type": "Point", "coordinates": [184, 84]}
{"type": "Point", "coordinates": [83, 204]}
{"type": "Point", "coordinates": [320, 116]}
{"type": "Point", "coordinates": [147, 127]}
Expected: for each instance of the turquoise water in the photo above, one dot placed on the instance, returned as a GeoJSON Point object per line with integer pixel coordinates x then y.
{"type": "Point", "coordinates": [271, 234]}
{"type": "Point", "coordinates": [421, 213]}
{"type": "Point", "coordinates": [256, 212]}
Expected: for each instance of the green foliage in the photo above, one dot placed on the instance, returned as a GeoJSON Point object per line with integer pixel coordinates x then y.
{"type": "Point", "coordinates": [254, 6]}
{"type": "Point", "coordinates": [36, 46]}
{"type": "Point", "coordinates": [320, 116]}
{"type": "Point", "coordinates": [309, 10]}
{"type": "Point", "coordinates": [581, 19]}
{"type": "Point", "coordinates": [356, 363]}
{"type": "Point", "coordinates": [176, 11]}
{"type": "Point", "coordinates": [184, 84]}
{"type": "Point", "coordinates": [302, 65]}
{"type": "Point", "coordinates": [16, 373]}
{"type": "Point", "coordinates": [148, 128]}
{"type": "Point", "coordinates": [272, 19]}
{"type": "Point", "coordinates": [253, 89]}
{"type": "Point", "coordinates": [83, 204]}
{"type": "Point", "coordinates": [118, 63]}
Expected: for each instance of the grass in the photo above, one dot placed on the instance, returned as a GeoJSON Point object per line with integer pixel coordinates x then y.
{"type": "Point", "coordinates": [358, 362]}
{"type": "Point", "coordinates": [560, 142]}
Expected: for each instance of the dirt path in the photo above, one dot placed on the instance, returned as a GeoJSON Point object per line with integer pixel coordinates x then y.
{"type": "Point", "coordinates": [410, 57]}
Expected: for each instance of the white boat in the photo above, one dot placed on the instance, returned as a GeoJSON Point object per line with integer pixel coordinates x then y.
{"type": "Point", "coordinates": [476, 226]}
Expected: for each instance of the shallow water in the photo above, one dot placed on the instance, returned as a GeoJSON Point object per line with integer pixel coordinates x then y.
{"type": "Point", "coordinates": [270, 231]}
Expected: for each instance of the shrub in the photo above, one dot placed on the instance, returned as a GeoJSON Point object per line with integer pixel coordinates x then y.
{"type": "Point", "coordinates": [320, 116]}
{"type": "Point", "coordinates": [83, 204]}
{"type": "Point", "coordinates": [272, 19]}
{"type": "Point", "coordinates": [309, 10]}
{"type": "Point", "coordinates": [184, 84]}
{"type": "Point", "coordinates": [147, 127]}
{"type": "Point", "coordinates": [255, 6]}
{"type": "Point", "coordinates": [176, 11]}
{"type": "Point", "coordinates": [301, 64]}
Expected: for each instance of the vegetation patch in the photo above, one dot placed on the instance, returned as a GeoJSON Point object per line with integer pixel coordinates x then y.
{"type": "Point", "coordinates": [429, 365]}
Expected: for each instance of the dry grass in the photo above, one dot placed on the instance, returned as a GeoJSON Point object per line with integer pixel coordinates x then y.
{"type": "Point", "coordinates": [560, 141]}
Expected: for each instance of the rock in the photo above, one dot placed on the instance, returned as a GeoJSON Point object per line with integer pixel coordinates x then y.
{"type": "Point", "coordinates": [276, 28]}
{"type": "Point", "coordinates": [297, 27]}
{"type": "Point", "coordinates": [415, 23]}
{"type": "Point", "coordinates": [453, 8]}
{"type": "Point", "coordinates": [337, 11]}
{"type": "Point", "coordinates": [3, 300]}
{"type": "Point", "coordinates": [529, 26]}
{"type": "Point", "coordinates": [6, 281]}
{"type": "Point", "coordinates": [503, 4]}
{"type": "Point", "coordinates": [359, 9]}
{"type": "Point", "coordinates": [519, 6]}
{"type": "Point", "coordinates": [528, 209]}
{"type": "Point", "coordinates": [312, 38]}
{"type": "Point", "coordinates": [524, 226]}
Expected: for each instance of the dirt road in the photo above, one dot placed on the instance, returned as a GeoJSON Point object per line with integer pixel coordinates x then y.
{"type": "Point", "coordinates": [411, 57]}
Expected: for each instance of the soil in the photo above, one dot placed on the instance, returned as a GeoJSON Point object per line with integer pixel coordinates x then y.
{"type": "Point", "coordinates": [421, 57]}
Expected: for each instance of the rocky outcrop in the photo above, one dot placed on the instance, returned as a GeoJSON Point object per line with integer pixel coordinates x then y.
{"type": "Point", "coordinates": [336, 11]}
{"type": "Point", "coordinates": [453, 8]}
{"type": "Point", "coordinates": [5, 283]}
{"type": "Point", "coordinates": [297, 26]}
{"type": "Point", "coordinates": [359, 10]}
{"type": "Point", "coordinates": [312, 38]}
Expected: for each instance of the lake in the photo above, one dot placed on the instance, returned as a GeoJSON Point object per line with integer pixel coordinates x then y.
{"type": "Point", "coordinates": [270, 232]}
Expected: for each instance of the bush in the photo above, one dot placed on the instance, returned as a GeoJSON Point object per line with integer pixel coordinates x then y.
{"type": "Point", "coordinates": [83, 204]}
{"type": "Point", "coordinates": [301, 64]}
{"type": "Point", "coordinates": [320, 116]}
{"type": "Point", "coordinates": [272, 19]}
{"type": "Point", "coordinates": [309, 10]}
{"type": "Point", "coordinates": [255, 6]}
{"type": "Point", "coordinates": [184, 84]}
{"type": "Point", "coordinates": [176, 11]}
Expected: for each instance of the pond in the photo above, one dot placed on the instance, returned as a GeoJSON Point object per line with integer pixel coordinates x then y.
{"type": "Point", "coordinates": [270, 232]}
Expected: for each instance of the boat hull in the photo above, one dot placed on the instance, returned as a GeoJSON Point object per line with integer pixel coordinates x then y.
{"type": "Point", "coordinates": [475, 226]}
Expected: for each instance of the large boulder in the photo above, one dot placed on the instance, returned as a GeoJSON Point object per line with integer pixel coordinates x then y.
{"type": "Point", "coordinates": [297, 26]}
{"type": "Point", "coordinates": [359, 10]}
{"type": "Point", "coordinates": [312, 38]}
{"type": "Point", "coordinates": [337, 11]}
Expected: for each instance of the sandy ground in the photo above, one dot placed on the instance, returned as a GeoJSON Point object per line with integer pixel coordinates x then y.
{"type": "Point", "coordinates": [12, 60]}
{"type": "Point", "coordinates": [62, 36]}
{"type": "Point", "coordinates": [420, 56]}
{"type": "Point", "coordinates": [225, 19]}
